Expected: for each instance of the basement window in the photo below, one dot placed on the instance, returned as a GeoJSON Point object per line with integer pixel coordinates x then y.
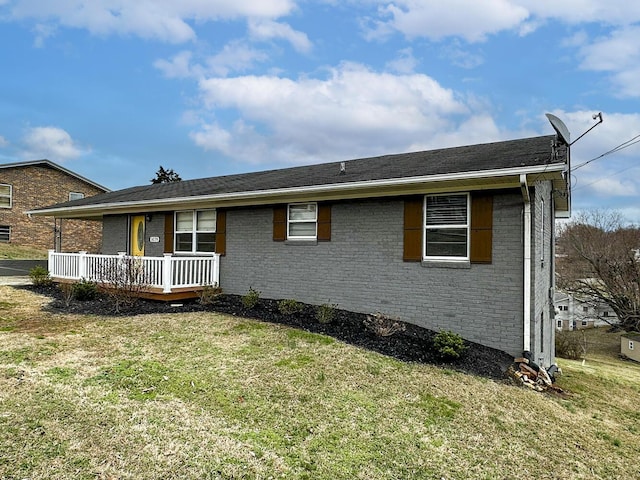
{"type": "Point", "coordinates": [5, 233]}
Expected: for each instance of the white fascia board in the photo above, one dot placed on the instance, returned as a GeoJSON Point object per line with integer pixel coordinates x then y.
{"type": "Point", "coordinates": [332, 187]}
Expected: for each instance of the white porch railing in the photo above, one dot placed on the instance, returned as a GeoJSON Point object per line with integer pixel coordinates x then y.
{"type": "Point", "coordinates": [166, 273]}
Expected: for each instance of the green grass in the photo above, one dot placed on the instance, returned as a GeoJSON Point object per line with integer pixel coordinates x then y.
{"type": "Point", "coordinates": [197, 396]}
{"type": "Point", "coordinates": [16, 252]}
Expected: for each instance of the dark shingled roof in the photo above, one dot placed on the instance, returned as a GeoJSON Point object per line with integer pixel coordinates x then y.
{"type": "Point", "coordinates": [528, 152]}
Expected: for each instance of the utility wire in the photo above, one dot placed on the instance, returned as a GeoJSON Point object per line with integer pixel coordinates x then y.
{"type": "Point", "coordinates": [622, 146]}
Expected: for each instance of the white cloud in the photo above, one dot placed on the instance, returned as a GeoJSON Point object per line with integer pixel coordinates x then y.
{"type": "Point", "coordinates": [50, 142]}
{"type": "Point", "coordinates": [179, 66]}
{"type": "Point", "coordinates": [613, 12]}
{"type": "Point", "coordinates": [234, 57]}
{"type": "Point", "coordinates": [268, 29]}
{"type": "Point", "coordinates": [165, 20]}
{"type": "Point", "coordinates": [352, 112]}
{"type": "Point", "coordinates": [619, 55]}
{"type": "Point", "coordinates": [3, 142]}
{"type": "Point", "coordinates": [434, 19]}
{"type": "Point", "coordinates": [404, 63]}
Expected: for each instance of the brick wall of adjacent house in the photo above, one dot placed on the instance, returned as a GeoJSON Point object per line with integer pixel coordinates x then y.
{"type": "Point", "coordinates": [36, 186]}
{"type": "Point", "coordinates": [361, 269]}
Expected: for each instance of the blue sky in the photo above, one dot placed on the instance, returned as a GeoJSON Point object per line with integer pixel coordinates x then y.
{"type": "Point", "coordinates": [112, 89]}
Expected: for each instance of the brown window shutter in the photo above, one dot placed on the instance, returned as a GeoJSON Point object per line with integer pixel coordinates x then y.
{"type": "Point", "coordinates": [413, 229]}
{"type": "Point", "coordinates": [279, 223]}
{"type": "Point", "coordinates": [481, 227]}
{"type": "Point", "coordinates": [221, 232]}
{"type": "Point", "coordinates": [168, 233]}
{"type": "Point", "coordinates": [324, 222]}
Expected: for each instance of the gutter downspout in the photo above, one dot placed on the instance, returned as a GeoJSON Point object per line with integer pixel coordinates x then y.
{"type": "Point", "coordinates": [527, 263]}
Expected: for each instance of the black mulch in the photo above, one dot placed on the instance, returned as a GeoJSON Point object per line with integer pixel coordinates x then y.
{"type": "Point", "coordinates": [412, 345]}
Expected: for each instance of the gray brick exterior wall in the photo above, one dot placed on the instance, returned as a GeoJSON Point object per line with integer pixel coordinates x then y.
{"type": "Point", "coordinates": [361, 269]}
{"type": "Point", "coordinates": [115, 234]}
{"type": "Point", "coordinates": [543, 321]}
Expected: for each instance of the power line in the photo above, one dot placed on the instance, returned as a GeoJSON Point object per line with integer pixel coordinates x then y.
{"type": "Point", "coordinates": [622, 146]}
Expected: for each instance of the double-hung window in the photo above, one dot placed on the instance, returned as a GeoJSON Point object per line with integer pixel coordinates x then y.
{"type": "Point", "coordinates": [5, 233]}
{"type": "Point", "coordinates": [446, 220]}
{"type": "Point", "coordinates": [302, 221]}
{"type": "Point", "coordinates": [195, 231]}
{"type": "Point", "coordinates": [5, 195]}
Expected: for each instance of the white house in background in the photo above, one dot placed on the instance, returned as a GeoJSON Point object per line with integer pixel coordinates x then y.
{"type": "Point", "coordinates": [573, 313]}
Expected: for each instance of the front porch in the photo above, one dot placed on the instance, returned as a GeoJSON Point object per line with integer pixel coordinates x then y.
{"type": "Point", "coordinates": [164, 278]}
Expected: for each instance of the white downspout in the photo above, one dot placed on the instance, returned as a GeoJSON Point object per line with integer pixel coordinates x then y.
{"type": "Point", "coordinates": [527, 263]}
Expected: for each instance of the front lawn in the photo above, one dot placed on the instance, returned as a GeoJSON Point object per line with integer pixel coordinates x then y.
{"type": "Point", "coordinates": [204, 395]}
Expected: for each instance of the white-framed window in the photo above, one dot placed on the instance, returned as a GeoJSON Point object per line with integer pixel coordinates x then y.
{"type": "Point", "coordinates": [563, 308]}
{"type": "Point", "coordinates": [584, 323]}
{"type": "Point", "coordinates": [559, 323]}
{"type": "Point", "coordinates": [302, 221]}
{"type": "Point", "coordinates": [195, 231]}
{"type": "Point", "coordinates": [446, 222]}
{"type": "Point", "coordinates": [6, 195]}
{"type": "Point", "coordinates": [630, 344]}
{"type": "Point", "coordinates": [5, 233]}
{"type": "Point", "coordinates": [75, 196]}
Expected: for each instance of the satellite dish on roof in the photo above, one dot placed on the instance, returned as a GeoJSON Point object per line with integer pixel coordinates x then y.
{"type": "Point", "coordinates": [560, 128]}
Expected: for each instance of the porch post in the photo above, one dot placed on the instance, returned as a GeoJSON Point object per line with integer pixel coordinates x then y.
{"type": "Point", "coordinates": [50, 264]}
{"type": "Point", "coordinates": [82, 264]}
{"type": "Point", "coordinates": [216, 269]}
{"type": "Point", "coordinates": [166, 273]}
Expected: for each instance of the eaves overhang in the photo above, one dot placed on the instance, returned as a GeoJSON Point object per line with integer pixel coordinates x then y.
{"type": "Point", "coordinates": [476, 180]}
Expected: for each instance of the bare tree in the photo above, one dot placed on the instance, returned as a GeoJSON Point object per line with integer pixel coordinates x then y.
{"type": "Point", "coordinates": [124, 280]}
{"type": "Point", "coordinates": [599, 262]}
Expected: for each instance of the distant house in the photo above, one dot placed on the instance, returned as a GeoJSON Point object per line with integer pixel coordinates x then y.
{"type": "Point", "coordinates": [454, 239]}
{"type": "Point", "coordinates": [575, 313]}
{"type": "Point", "coordinates": [26, 186]}
{"type": "Point", "coordinates": [630, 346]}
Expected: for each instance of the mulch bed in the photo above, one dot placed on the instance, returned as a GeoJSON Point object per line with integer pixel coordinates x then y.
{"type": "Point", "coordinates": [414, 344]}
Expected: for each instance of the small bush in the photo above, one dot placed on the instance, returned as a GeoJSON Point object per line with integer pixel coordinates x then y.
{"type": "Point", "coordinates": [570, 344]}
{"type": "Point", "coordinates": [383, 326]}
{"type": "Point", "coordinates": [449, 345]}
{"type": "Point", "coordinates": [250, 299]}
{"type": "Point", "coordinates": [85, 290]}
{"type": "Point", "coordinates": [209, 294]}
{"type": "Point", "coordinates": [67, 293]}
{"type": "Point", "coordinates": [289, 307]}
{"type": "Point", "coordinates": [326, 312]}
{"type": "Point", "coordinates": [40, 276]}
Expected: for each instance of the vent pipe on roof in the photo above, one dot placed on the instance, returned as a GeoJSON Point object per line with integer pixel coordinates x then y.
{"type": "Point", "coordinates": [343, 168]}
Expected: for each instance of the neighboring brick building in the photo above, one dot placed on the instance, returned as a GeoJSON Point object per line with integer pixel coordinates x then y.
{"type": "Point", "coordinates": [26, 186]}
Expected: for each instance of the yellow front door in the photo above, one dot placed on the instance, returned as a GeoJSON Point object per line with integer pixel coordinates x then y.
{"type": "Point", "coordinates": [137, 235]}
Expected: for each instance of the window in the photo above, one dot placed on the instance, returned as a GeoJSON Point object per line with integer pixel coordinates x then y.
{"type": "Point", "coordinates": [302, 221]}
{"type": "Point", "coordinates": [630, 344]}
{"type": "Point", "coordinates": [75, 195]}
{"type": "Point", "coordinates": [584, 323]}
{"type": "Point", "coordinates": [585, 309]}
{"type": "Point", "coordinates": [563, 308]}
{"type": "Point", "coordinates": [446, 227]}
{"type": "Point", "coordinates": [5, 196]}
{"type": "Point", "coordinates": [559, 323]}
{"type": "Point", "coordinates": [605, 314]}
{"type": "Point", "coordinates": [5, 233]}
{"type": "Point", "coordinates": [195, 231]}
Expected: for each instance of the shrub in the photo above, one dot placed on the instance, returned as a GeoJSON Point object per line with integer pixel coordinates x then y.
{"type": "Point", "coordinates": [67, 293]}
{"type": "Point", "coordinates": [85, 290]}
{"type": "Point", "coordinates": [289, 307]}
{"type": "Point", "coordinates": [40, 276]}
{"type": "Point", "coordinates": [449, 345]}
{"type": "Point", "coordinates": [326, 312]}
{"type": "Point", "coordinates": [570, 344]}
{"type": "Point", "coordinates": [125, 281]}
{"type": "Point", "coordinates": [250, 299]}
{"type": "Point", "coordinates": [383, 326]}
{"type": "Point", "coordinates": [209, 294]}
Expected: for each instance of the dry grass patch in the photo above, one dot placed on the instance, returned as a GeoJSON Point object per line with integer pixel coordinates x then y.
{"type": "Point", "coordinates": [17, 252]}
{"type": "Point", "coordinates": [201, 395]}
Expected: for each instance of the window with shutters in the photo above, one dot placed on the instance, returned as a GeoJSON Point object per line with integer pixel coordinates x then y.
{"type": "Point", "coordinates": [5, 196]}
{"type": "Point", "coordinates": [446, 223]}
{"type": "Point", "coordinates": [195, 231]}
{"type": "Point", "coordinates": [302, 221]}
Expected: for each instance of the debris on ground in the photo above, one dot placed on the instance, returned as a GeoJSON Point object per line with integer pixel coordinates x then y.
{"type": "Point", "coordinates": [534, 376]}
